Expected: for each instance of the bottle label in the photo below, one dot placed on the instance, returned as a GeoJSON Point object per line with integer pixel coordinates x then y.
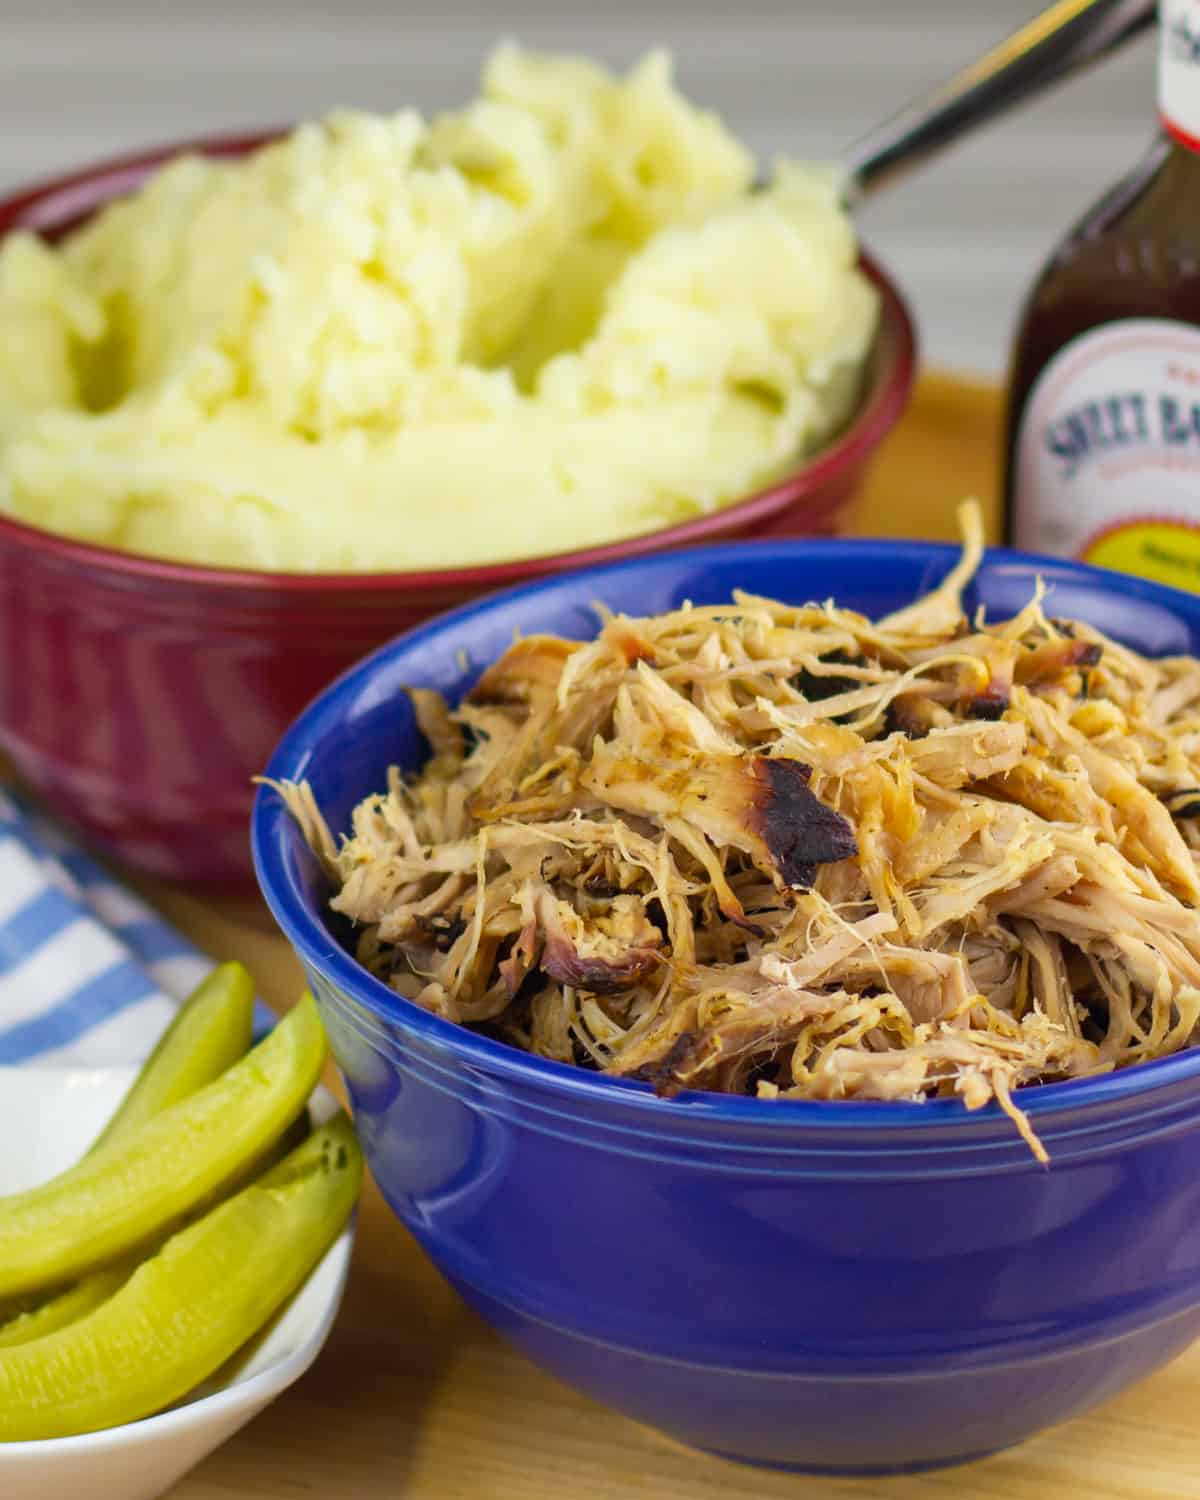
{"type": "Point", "coordinates": [1108, 452]}
{"type": "Point", "coordinates": [1179, 70]}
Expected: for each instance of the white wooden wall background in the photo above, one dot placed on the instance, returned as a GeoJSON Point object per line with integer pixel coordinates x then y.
{"type": "Point", "coordinates": [82, 78]}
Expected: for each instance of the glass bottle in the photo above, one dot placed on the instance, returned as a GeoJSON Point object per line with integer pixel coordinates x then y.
{"type": "Point", "coordinates": [1103, 439]}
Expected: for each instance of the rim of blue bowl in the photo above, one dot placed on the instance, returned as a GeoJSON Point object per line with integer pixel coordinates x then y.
{"type": "Point", "coordinates": [315, 945]}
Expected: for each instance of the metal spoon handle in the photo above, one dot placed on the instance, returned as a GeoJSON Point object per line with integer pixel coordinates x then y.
{"type": "Point", "coordinates": [1062, 39]}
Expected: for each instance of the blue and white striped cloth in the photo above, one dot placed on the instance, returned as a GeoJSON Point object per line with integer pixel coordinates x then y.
{"type": "Point", "coordinates": [89, 975]}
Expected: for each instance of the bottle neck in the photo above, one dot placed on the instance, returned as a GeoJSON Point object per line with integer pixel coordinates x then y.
{"type": "Point", "coordinates": [1179, 71]}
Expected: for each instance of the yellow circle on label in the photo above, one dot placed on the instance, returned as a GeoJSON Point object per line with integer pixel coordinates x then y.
{"type": "Point", "coordinates": [1166, 551]}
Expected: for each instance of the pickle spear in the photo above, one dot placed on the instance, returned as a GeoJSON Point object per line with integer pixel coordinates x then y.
{"type": "Point", "coordinates": [67, 1307]}
{"type": "Point", "coordinates": [122, 1194]}
{"type": "Point", "coordinates": [188, 1308]}
{"type": "Point", "coordinates": [208, 1034]}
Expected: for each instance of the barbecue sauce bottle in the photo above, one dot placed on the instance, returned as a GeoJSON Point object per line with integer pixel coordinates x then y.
{"type": "Point", "coordinates": [1103, 441]}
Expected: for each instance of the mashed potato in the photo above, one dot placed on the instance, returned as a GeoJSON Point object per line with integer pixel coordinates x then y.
{"type": "Point", "coordinates": [552, 319]}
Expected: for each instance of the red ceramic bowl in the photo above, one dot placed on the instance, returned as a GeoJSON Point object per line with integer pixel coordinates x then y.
{"type": "Point", "coordinates": [140, 696]}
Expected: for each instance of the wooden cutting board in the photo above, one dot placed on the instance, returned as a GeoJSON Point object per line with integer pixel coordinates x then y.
{"type": "Point", "coordinates": [414, 1397]}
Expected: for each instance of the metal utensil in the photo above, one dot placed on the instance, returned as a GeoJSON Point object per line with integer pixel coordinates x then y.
{"type": "Point", "coordinates": [1062, 39]}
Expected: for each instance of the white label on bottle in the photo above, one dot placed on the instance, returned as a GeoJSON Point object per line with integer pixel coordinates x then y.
{"type": "Point", "coordinates": [1108, 453]}
{"type": "Point", "coordinates": [1179, 69]}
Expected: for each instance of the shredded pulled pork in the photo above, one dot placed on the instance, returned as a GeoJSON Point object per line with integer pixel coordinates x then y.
{"type": "Point", "coordinates": [782, 850]}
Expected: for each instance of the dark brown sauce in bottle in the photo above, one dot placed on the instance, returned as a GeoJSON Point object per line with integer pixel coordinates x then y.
{"type": "Point", "coordinates": [1103, 427]}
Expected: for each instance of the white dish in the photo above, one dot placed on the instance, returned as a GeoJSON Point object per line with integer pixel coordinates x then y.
{"type": "Point", "coordinates": [48, 1118]}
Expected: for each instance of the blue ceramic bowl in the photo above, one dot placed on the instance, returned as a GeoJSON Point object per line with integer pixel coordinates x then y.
{"type": "Point", "coordinates": [848, 1287]}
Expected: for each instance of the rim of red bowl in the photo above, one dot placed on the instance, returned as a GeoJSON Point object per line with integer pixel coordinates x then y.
{"type": "Point", "coordinates": [63, 202]}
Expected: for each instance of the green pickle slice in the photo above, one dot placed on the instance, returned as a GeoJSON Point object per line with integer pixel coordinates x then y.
{"type": "Point", "coordinates": [78, 1300]}
{"type": "Point", "coordinates": [209, 1033]}
{"type": "Point", "coordinates": [141, 1183]}
{"type": "Point", "coordinates": [192, 1305]}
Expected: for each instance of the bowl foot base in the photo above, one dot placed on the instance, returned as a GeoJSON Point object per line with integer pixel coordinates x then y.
{"type": "Point", "coordinates": [855, 1471]}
